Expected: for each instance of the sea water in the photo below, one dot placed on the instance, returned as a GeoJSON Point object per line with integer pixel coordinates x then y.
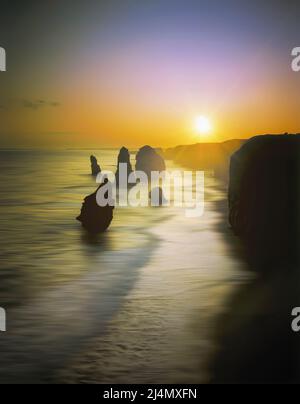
{"type": "Point", "coordinates": [133, 304]}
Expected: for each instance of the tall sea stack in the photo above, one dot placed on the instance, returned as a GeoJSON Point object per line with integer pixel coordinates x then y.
{"type": "Point", "coordinates": [123, 158]}
{"type": "Point", "coordinates": [95, 168]}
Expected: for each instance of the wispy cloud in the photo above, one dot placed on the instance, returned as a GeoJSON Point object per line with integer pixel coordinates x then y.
{"type": "Point", "coordinates": [29, 104]}
{"type": "Point", "coordinates": [37, 104]}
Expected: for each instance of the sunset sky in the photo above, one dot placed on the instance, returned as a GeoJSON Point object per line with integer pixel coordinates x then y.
{"type": "Point", "coordinates": [130, 72]}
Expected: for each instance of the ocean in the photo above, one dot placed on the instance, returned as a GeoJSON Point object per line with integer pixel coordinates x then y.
{"type": "Point", "coordinates": [136, 304]}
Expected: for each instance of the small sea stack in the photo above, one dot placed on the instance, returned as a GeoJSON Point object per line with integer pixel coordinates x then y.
{"type": "Point", "coordinates": [125, 164]}
{"type": "Point", "coordinates": [148, 160]}
{"type": "Point", "coordinates": [264, 192]}
{"type": "Point", "coordinates": [94, 218]}
{"type": "Point", "coordinates": [95, 166]}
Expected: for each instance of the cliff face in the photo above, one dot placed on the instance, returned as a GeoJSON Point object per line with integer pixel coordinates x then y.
{"type": "Point", "coordinates": [205, 156]}
{"type": "Point", "coordinates": [264, 196]}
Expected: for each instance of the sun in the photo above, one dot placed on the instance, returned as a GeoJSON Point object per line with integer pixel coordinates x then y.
{"type": "Point", "coordinates": [203, 125]}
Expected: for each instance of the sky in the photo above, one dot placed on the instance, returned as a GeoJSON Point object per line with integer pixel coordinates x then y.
{"type": "Point", "coordinates": [133, 72]}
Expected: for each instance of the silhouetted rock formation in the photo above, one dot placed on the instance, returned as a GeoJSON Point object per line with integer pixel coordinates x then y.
{"type": "Point", "coordinates": [264, 198]}
{"type": "Point", "coordinates": [148, 160]}
{"type": "Point", "coordinates": [157, 197]}
{"type": "Point", "coordinates": [95, 166]}
{"type": "Point", "coordinates": [205, 156]}
{"type": "Point", "coordinates": [95, 218]}
{"type": "Point", "coordinates": [254, 335]}
{"type": "Point", "coordinates": [123, 158]}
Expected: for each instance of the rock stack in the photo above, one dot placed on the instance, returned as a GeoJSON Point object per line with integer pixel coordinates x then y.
{"type": "Point", "coordinates": [94, 218]}
{"type": "Point", "coordinates": [148, 160]}
{"type": "Point", "coordinates": [95, 166]}
{"type": "Point", "coordinates": [124, 162]}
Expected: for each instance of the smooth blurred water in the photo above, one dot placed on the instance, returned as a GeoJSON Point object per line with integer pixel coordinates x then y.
{"type": "Point", "coordinates": [52, 273]}
{"type": "Point", "coordinates": [127, 292]}
{"type": "Point", "coordinates": [42, 244]}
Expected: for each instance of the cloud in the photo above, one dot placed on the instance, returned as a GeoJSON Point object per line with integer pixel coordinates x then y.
{"type": "Point", "coordinates": [28, 104]}
{"type": "Point", "coordinates": [37, 104]}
